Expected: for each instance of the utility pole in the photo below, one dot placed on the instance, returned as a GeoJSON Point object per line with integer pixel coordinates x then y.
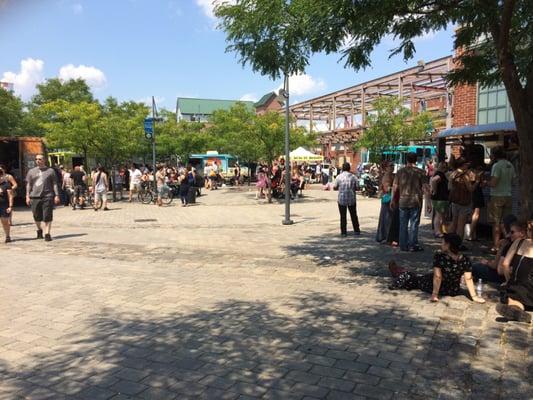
{"type": "Point", "coordinates": [287, 220]}
{"type": "Point", "coordinates": [153, 141]}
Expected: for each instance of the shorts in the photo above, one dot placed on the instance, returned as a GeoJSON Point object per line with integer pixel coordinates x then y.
{"type": "Point", "coordinates": [42, 209]}
{"type": "Point", "coordinates": [499, 207]}
{"type": "Point", "coordinates": [135, 186]}
{"type": "Point", "coordinates": [3, 212]}
{"type": "Point", "coordinates": [79, 190]}
{"type": "Point", "coordinates": [162, 190]}
{"type": "Point", "coordinates": [440, 206]}
{"type": "Point", "coordinates": [100, 195]}
{"type": "Point", "coordinates": [458, 209]}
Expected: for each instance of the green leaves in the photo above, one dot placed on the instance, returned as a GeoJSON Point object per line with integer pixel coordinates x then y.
{"type": "Point", "coordinates": [392, 124]}
{"type": "Point", "coordinates": [11, 114]}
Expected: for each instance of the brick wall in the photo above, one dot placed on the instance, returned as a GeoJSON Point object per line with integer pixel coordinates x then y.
{"type": "Point", "coordinates": [464, 105]}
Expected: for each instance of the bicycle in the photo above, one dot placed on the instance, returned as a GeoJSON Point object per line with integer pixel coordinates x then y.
{"type": "Point", "coordinates": [147, 195]}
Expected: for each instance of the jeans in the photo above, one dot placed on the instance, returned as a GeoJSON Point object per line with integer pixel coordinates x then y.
{"type": "Point", "coordinates": [353, 216]}
{"type": "Point", "coordinates": [409, 222]}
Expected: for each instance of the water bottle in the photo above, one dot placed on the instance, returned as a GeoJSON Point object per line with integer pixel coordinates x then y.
{"type": "Point", "coordinates": [479, 288]}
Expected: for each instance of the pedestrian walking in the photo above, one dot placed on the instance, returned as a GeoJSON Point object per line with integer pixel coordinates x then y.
{"type": "Point", "coordinates": [101, 187]}
{"type": "Point", "coordinates": [6, 176]}
{"type": "Point", "coordinates": [42, 193]}
{"type": "Point", "coordinates": [6, 203]}
{"type": "Point", "coordinates": [346, 184]}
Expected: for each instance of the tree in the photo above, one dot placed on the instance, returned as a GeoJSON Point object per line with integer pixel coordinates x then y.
{"type": "Point", "coordinates": [11, 114]}
{"type": "Point", "coordinates": [495, 43]}
{"type": "Point", "coordinates": [72, 91]}
{"type": "Point", "coordinates": [233, 131]}
{"type": "Point", "coordinates": [180, 139]}
{"type": "Point", "coordinates": [71, 126]}
{"type": "Point", "coordinates": [392, 124]}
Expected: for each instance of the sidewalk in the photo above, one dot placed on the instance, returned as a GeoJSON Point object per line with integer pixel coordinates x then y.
{"type": "Point", "coordinates": [220, 300]}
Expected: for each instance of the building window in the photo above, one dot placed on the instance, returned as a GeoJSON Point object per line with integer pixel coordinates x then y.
{"type": "Point", "coordinates": [493, 105]}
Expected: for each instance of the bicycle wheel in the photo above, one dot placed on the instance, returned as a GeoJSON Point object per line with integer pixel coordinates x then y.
{"type": "Point", "coordinates": [166, 197]}
{"type": "Point", "coordinates": [98, 205]}
{"type": "Point", "coordinates": [146, 197]}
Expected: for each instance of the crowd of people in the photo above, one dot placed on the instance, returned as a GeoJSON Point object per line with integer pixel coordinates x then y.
{"type": "Point", "coordinates": [452, 194]}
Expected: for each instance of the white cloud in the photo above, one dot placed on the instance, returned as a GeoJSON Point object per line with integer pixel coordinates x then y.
{"type": "Point", "coordinates": [303, 84]}
{"type": "Point", "coordinates": [30, 74]}
{"type": "Point", "coordinates": [77, 8]}
{"type": "Point", "coordinates": [208, 6]}
{"type": "Point", "coordinates": [94, 77]}
{"type": "Point", "coordinates": [249, 97]}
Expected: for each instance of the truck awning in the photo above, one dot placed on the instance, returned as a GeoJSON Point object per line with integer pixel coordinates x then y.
{"type": "Point", "coordinates": [473, 129]}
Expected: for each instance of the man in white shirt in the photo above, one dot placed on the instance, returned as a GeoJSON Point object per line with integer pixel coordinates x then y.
{"type": "Point", "coordinates": [135, 181]}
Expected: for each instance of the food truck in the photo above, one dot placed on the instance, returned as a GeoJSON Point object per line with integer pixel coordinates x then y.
{"type": "Point", "coordinates": [18, 155]}
{"type": "Point", "coordinates": [225, 162]}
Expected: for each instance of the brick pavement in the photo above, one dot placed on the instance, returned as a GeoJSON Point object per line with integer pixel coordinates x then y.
{"type": "Point", "coordinates": [221, 301]}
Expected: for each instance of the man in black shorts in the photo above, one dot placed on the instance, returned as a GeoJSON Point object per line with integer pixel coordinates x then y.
{"type": "Point", "coordinates": [41, 193]}
{"type": "Point", "coordinates": [79, 182]}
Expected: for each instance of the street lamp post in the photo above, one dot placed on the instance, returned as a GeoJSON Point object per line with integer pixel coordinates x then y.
{"type": "Point", "coordinates": [287, 220]}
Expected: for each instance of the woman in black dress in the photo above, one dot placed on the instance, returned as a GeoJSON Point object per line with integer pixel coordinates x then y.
{"type": "Point", "coordinates": [445, 280]}
{"type": "Point", "coordinates": [518, 270]}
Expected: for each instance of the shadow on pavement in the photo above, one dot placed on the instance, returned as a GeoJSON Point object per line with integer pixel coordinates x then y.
{"type": "Point", "coordinates": [316, 345]}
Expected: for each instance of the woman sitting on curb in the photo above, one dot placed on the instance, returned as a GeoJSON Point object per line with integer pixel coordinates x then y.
{"type": "Point", "coordinates": [518, 271]}
{"type": "Point", "coordinates": [445, 280]}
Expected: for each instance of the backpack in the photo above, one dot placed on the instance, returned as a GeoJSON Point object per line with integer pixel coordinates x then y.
{"type": "Point", "coordinates": [458, 186]}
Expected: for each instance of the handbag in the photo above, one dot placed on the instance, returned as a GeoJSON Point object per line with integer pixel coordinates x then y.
{"type": "Point", "coordinates": [386, 198]}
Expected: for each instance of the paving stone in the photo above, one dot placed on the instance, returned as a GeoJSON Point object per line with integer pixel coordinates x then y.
{"type": "Point", "coordinates": [128, 387]}
{"type": "Point", "coordinates": [337, 384]}
{"type": "Point", "coordinates": [327, 371]}
{"type": "Point", "coordinates": [300, 376]}
{"type": "Point", "coordinates": [373, 392]}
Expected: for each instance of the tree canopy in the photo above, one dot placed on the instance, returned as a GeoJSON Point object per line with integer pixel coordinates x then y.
{"type": "Point", "coordinates": [493, 43]}
{"type": "Point", "coordinates": [392, 124]}
{"type": "Point", "coordinates": [11, 114]}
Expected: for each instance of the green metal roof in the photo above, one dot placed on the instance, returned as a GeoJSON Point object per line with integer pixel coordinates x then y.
{"type": "Point", "coordinates": [208, 106]}
{"type": "Point", "coordinates": [263, 100]}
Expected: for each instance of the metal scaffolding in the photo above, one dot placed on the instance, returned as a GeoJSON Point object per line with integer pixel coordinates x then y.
{"type": "Point", "coordinates": [345, 111]}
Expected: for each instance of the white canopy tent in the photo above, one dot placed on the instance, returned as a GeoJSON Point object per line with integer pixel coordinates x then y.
{"type": "Point", "coordinates": [300, 155]}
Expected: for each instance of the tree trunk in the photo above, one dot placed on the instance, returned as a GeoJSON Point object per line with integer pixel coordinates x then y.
{"type": "Point", "coordinates": [524, 127]}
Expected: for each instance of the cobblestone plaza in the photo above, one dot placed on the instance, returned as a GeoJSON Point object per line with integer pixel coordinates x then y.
{"type": "Point", "coordinates": [220, 300]}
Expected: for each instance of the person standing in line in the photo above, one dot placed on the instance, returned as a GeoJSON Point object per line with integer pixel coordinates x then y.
{"type": "Point", "coordinates": [14, 185]}
{"type": "Point", "coordinates": [461, 184]}
{"type": "Point", "coordinates": [501, 203]}
{"type": "Point", "coordinates": [410, 183]}
{"type": "Point", "coordinates": [385, 215]}
{"type": "Point", "coordinates": [101, 187]}
{"type": "Point", "coordinates": [439, 198]}
{"type": "Point", "coordinates": [346, 184]}
{"type": "Point", "coordinates": [237, 172]}
{"type": "Point", "coordinates": [42, 193]}
{"type": "Point", "coordinates": [6, 203]}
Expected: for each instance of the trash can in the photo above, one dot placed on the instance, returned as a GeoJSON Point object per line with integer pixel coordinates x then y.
{"type": "Point", "coordinates": [191, 195]}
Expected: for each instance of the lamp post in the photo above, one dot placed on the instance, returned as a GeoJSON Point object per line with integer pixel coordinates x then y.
{"type": "Point", "coordinates": [285, 93]}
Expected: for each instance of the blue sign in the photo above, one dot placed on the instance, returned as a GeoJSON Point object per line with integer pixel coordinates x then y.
{"type": "Point", "coordinates": [149, 126]}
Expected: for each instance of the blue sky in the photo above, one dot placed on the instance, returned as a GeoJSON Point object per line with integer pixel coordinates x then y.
{"type": "Point", "coordinates": [133, 49]}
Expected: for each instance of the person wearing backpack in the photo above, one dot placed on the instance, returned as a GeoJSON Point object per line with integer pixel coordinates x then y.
{"type": "Point", "coordinates": [461, 185]}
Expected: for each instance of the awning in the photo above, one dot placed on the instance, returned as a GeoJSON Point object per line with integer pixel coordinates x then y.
{"type": "Point", "coordinates": [301, 154]}
{"type": "Point", "coordinates": [475, 129]}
